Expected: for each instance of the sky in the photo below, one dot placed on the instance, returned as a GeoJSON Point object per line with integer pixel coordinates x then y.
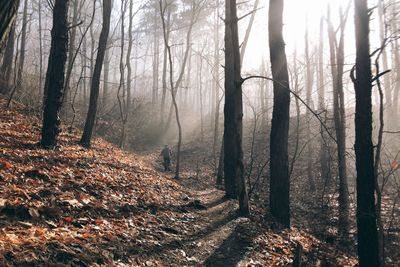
{"type": "Point", "coordinates": [297, 14]}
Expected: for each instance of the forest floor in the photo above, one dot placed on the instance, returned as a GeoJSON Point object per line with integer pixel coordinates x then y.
{"type": "Point", "coordinates": [105, 207]}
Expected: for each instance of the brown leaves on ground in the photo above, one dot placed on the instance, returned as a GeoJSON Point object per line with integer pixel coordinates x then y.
{"type": "Point", "coordinates": [78, 207]}
{"type": "Point", "coordinates": [72, 205]}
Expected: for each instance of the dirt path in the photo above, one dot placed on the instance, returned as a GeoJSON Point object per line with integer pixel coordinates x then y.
{"type": "Point", "coordinates": [215, 236]}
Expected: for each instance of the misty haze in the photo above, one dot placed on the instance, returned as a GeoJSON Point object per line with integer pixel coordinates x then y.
{"type": "Point", "coordinates": [199, 133]}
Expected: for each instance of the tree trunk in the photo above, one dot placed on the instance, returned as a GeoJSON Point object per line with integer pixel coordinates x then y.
{"type": "Point", "coordinates": [195, 12]}
{"type": "Point", "coordinates": [6, 68]}
{"type": "Point", "coordinates": [156, 60]}
{"type": "Point", "coordinates": [383, 35]}
{"type": "Point", "coordinates": [216, 85]}
{"type": "Point", "coordinates": [165, 68]}
{"type": "Point", "coordinates": [279, 173]}
{"type": "Point", "coordinates": [248, 31]}
{"type": "Point", "coordinates": [171, 69]}
{"type": "Point", "coordinates": [324, 148]}
{"type": "Point", "coordinates": [55, 75]}
{"type": "Point", "coordinates": [366, 214]}
{"type": "Point", "coordinates": [106, 75]}
{"type": "Point", "coordinates": [40, 46]}
{"type": "Point", "coordinates": [128, 61]}
{"type": "Point", "coordinates": [122, 102]}
{"type": "Point", "coordinates": [309, 84]}
{"type": "Point", "coordinates": [23, 46]}
{"type": "Point", "coordinates": [337, 63]}
{"type": "Point", "coordinates": [8, 14]}
{"type": "Point", "coordinates": [95, 84]}
{"type": "Point", "coordinates": [235, 185]}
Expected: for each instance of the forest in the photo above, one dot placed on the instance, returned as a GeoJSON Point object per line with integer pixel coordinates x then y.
{"type": "Point", "coordinates": [200, 133]}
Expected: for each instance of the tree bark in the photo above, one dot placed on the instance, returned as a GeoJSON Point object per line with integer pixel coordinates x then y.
{"type": "Point", "coordinates": [366, 214]}
{"type": "Point", "coordinates": [8, 14]}
{"type": "Point", "coordinates": [6, 68]}
{"type": "Point", "coordinates": [55, 75]}
{"type": "Point", "coordinates": [95, 84]}
{"type": "Point", "coordinates": [279, 166]}
{"type": "Point", "coordinates": [337, 63]}
{"type": "Point", "coordinates": [235, 185]}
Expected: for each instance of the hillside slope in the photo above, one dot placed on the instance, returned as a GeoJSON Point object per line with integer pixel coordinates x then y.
{"type": "Point", "coordinates": [105, 207]}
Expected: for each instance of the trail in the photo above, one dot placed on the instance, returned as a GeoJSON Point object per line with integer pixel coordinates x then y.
{"type": "Point", "coordinates": [106, 207]}
{"type": "Point", "coordinates": [217, 236]}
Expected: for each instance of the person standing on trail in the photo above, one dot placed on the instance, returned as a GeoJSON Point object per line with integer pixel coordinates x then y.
{"type": "Point", "coordinates": [166, 154]}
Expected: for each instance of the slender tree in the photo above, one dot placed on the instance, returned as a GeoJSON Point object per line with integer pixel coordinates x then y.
{"type": "Point", "coordinates": [21, 62]}
{"type": "Point", "coordinates": [95, 85]}
{"type": "Point", "coordinates": [366, 214]}
{"type": "Point", "coordinates": [279, 165]}
{"type": "Point", "coordinates": [337, 64]}
{"type": "Point", "coordinates": [54, 84]}
{"type": "Point", "coordinates": [309, 85]}
{"type": "Point", "coordinates": [324, 147]}
{"type": "Point", "coordinates": [171, 83]}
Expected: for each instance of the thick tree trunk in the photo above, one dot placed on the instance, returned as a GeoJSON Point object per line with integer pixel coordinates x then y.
{"type": "Point", "coordinates": [8, 14]}
{"type": "Point", "coordinates": [366, 214]}
{"type": "Point", "coordinates": [95, 84]}
{"type": "Point", "coordinates": [55, 75]}
{"type": "Point", "coordinates": [279, 166]}
{"type": "Point", "coordinates": [6, 68]}
{"type": "Point", "coordinates": [235, 185]}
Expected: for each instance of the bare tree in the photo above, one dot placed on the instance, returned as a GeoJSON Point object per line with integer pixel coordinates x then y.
{"type": "Point", "coordinates": [337, 64]}
{"type": "Point", "coordinates": [279, 165]}
{"type": "Point", "coordinates": [163, 7]}
{"type": "Point", "coordinates": [366, 214]}
{"type": "Point", "coordinates": [95, 84]}
{"type": "Point", "coordinates": [54, 84]}
{"type": "Point", "coordinates": [8, 15]}
{"type": "Point", "coordinates": [309, 85]}
{"type": "Point", "coordinates": [235, 184]}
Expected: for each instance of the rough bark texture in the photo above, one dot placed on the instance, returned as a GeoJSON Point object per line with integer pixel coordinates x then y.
{"type": "Point", "coordinates": [55, 75]}
{"type": "Point", "coordinates": [235, 186]}
{"type": "Point", "coordinates": [279, 166]}
{"type": "Point", "coordinates": [6, 68]}
{"type": "Point", "coordinates": [366, 214]}
{"type": "Point", "coordinates": [8, 14]}
{"type": "Point", "coordinates": [95, 85]}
